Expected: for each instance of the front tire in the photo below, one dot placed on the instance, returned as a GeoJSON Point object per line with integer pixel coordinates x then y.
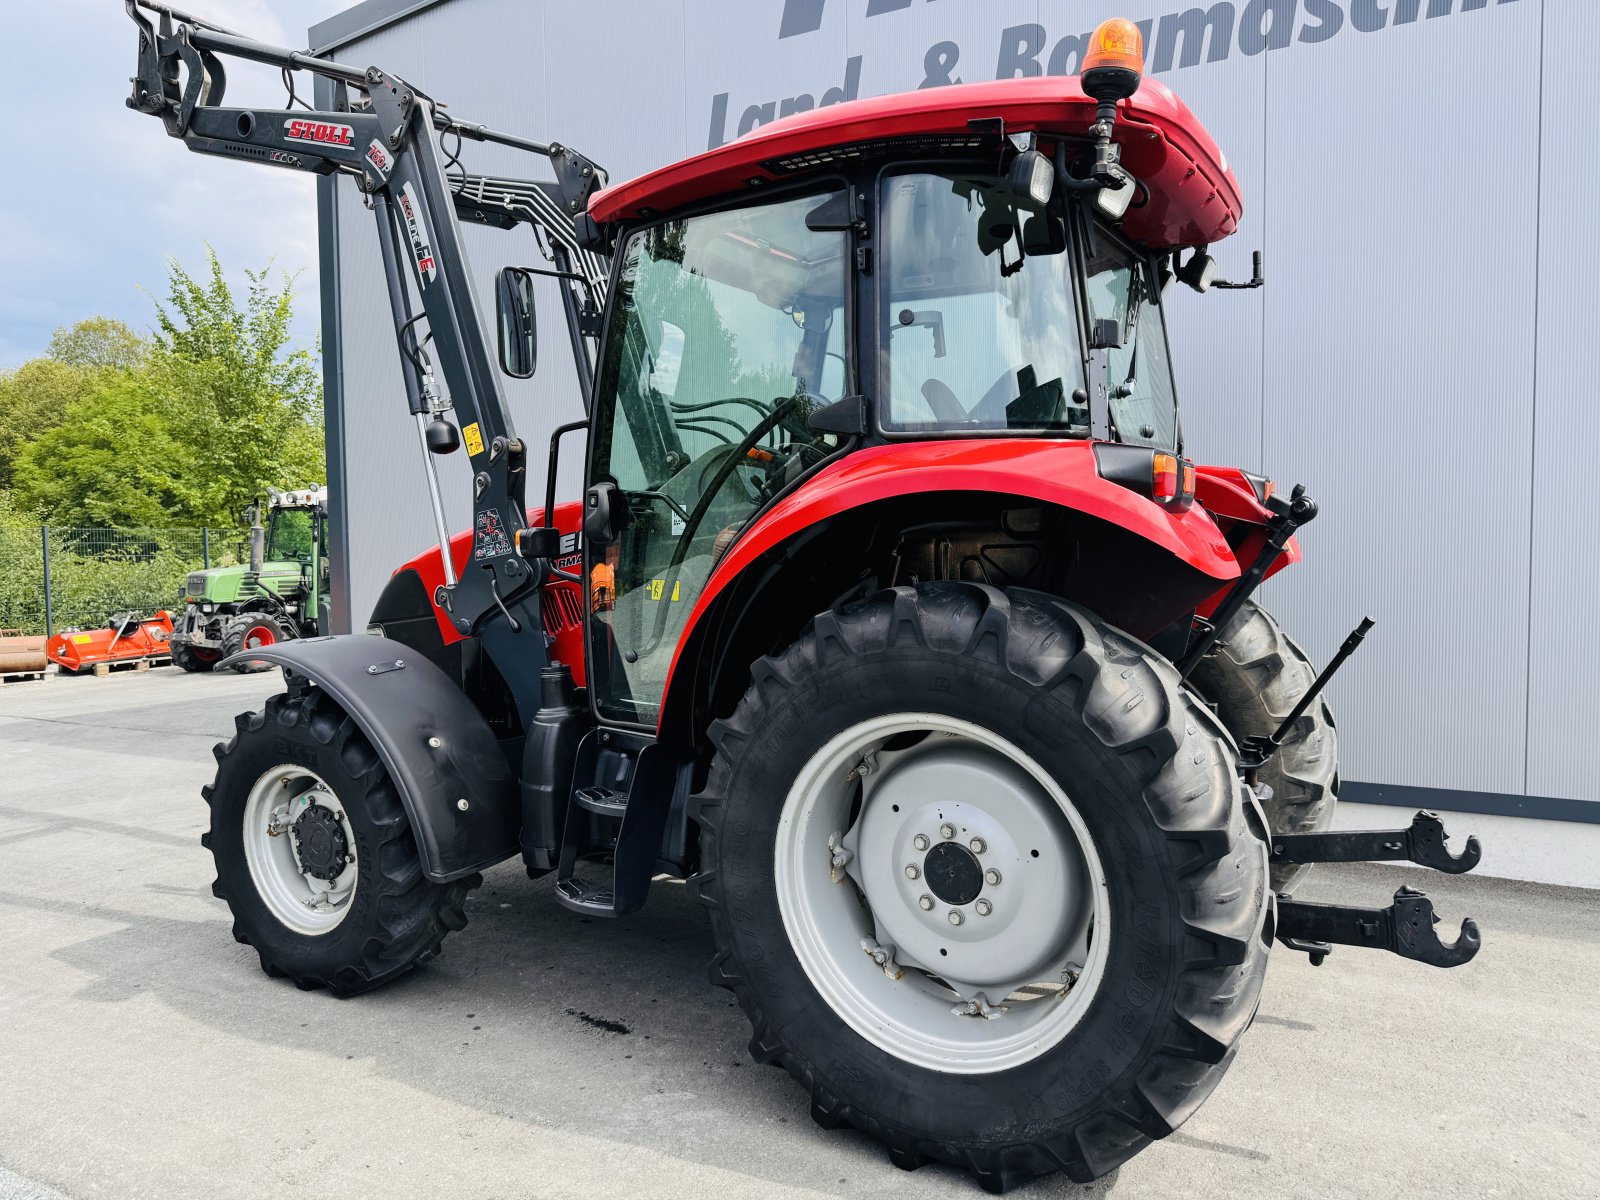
{"type": "Point", "coordinates": [196, 660]}
{"type": "Point", "coordinates": [314, 852]}
{"type": "Point", "coordinates": [1043, 731]}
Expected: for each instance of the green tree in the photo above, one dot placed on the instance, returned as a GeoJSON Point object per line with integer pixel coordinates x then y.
{"type": "Point", "coordinates": [186, 430]}
{"type": "Point", "coordinates": [35, 397]}
{"type": "Point", "coordinates": [115, 461]}
{"type": "Point", "coordinates": [102, 342]}
{"type": "Point", "coordinates": [249, 403]}
{"type": "Point", "coordinates": [33, 400]}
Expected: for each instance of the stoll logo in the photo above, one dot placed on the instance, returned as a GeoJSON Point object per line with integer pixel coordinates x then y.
{"type": "Point", "coordinates": [317, 131]}
{"type": "Point", "coordinates": [1201, 32]}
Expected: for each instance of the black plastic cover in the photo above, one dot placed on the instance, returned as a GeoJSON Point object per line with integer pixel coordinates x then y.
{"type": "Point", "coordinates": [401, 701]}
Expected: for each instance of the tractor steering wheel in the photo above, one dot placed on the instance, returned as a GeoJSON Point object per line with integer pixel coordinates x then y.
{"type": "Point", "coordinates": [726, 468]}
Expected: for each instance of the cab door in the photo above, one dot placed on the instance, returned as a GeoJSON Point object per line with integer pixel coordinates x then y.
{"type": "Point", "coordinates": [726, 331]}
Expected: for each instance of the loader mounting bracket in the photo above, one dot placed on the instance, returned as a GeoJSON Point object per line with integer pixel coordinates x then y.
{"type": "Point", "coordinates": [1405, 928]}
{"type": "Point", "coordinates": [1422, 843]}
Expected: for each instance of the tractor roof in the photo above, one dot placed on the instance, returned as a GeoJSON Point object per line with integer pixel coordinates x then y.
{"type": "Point", "coordinates": [1193, 196]}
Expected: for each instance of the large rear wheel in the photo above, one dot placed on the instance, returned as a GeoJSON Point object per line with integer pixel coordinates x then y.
{"type": "Point", "coordinates": [253, 631]}
{"type": "Point", "coordinates": [984, 879]}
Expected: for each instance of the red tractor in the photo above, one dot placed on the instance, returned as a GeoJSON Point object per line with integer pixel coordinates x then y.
{"type": "Point", "coordinates": [894, 616]}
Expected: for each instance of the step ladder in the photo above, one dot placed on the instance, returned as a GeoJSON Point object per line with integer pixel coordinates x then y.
{"type": "Point", "coordinates": [625, 785]}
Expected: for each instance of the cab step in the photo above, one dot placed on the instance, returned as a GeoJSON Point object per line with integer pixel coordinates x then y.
{"type": "Point", "coordinates": [625, 787]}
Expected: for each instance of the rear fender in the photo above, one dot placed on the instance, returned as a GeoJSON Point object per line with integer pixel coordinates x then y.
{"type": "Point", "coordinates": [1230, 496]}
{"type": "Point", "coordinates": [1058, 473]}
{"type": "Point", "coordinates": [460, 797]}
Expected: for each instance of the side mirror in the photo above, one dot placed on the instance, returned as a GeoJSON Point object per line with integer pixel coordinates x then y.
{"type": "Point", "coordinates": [1200, 272]}
{"type": "Point", "coordinates": [519, 327]}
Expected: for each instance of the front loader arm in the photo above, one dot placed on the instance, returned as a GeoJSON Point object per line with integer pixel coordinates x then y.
{"type": "Point", "coordinates": [388, 139]}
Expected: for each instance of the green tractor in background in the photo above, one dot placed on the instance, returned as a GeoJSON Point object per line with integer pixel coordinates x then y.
{"type": "Point", "coordinates": [281, 594]}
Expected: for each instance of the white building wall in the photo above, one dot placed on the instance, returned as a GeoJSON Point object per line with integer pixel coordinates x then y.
{"type": "Point", "coordinates": [1420, 175]}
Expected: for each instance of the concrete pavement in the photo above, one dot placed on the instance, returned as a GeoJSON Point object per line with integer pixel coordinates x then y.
{"type": "Point", "coordinates": [143, 1053]}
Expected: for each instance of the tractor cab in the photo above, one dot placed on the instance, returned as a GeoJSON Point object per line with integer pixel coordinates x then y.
{"type": "Point", "coordinates": [975, 262]}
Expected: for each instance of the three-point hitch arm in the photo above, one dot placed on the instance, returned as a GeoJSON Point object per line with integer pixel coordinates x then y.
{"type": "Point", "coordinates": [388, 136]}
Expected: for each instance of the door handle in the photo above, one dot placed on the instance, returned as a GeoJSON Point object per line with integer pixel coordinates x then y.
{"type": "Point", "coordinates": [597, 514]}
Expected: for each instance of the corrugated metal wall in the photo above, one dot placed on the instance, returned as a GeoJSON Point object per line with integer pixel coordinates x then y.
{"type": "Point", "coordinates": [1417, 359]}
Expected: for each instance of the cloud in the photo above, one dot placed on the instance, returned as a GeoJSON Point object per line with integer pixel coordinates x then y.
{"type": "Point", "coordinates": [100, 198]}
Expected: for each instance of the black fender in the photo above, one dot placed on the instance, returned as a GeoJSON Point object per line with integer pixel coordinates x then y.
{"type": "Point", "coordinates": [460, 795]}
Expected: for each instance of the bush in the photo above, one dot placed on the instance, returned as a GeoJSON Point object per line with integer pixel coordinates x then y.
{"type": "Point", "coordinates": [97, 572]}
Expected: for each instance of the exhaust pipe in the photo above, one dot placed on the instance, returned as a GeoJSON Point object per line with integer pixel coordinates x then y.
{"type": "Point", "coordinates": [258, 540]}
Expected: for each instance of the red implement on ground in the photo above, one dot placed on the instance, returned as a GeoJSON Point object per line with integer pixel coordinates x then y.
{"type": "Point", "coordinates": [126, 638]}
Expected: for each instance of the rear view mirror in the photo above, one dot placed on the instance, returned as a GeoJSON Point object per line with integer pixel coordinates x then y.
{"type": "Point", "coordinates": [1200, 272]}
{"type": "Point", "coordinates": [519, 327]}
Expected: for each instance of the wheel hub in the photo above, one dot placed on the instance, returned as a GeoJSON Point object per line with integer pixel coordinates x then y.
{"type": "Point", "coordinates": [953, 873]}
{"type": "Point", "coordinates": [320, 841]}
{"type": "Point", "coordinates": [970, 870]}
{"type": "Point", "coordinates": [942, 892]}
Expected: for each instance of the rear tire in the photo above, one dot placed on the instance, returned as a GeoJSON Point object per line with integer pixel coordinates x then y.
{"type": "Point", "coordinates": [1144, 770]}
{"type": "Point", "coordinates": [252, 631]}
{"type": "Point", "coordinates": [384, 915]}
{"type": "Point", "coordinates": [1255, 677]}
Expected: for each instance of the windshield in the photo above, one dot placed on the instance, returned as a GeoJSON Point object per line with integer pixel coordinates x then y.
{"type": "Point", "coordinates": [728, 330]}
{"type": "Point", "coordinates": [1135, 377]}
{"type": "Point", "coordinates": [978, 305]}
{"type": "Point", "coordinates": [289, 539]}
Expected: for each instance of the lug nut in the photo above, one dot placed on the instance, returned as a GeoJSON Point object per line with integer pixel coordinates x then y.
{"type": "Point", "coordinates": [462, 804]}
{"type": "Point", "coordinates": [925, 902]}
{"type": "Point", "coordinates": [991, 876]}
{"type": "Point", "coordinates": [955, 917]}
{"type": "Point", "coordinates": [920, 842]}
{"type": "Point", "coordinates": [911, 871]}
{"type": "Point", "coordinates": [978, 845]}
{"type": "Point", "coordinates": [435, 743]}
{"type": "Point", "coordinates": [947, 831]}
{"type": "Point", "coordinates": [984, 908]}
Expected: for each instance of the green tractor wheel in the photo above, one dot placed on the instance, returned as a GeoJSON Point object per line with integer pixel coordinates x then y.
{"type": "Point", "coordinates": [252, 631]}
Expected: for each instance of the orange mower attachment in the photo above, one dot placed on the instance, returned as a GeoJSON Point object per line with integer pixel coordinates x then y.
{"type": "Point", "coordinates": [127, 637]}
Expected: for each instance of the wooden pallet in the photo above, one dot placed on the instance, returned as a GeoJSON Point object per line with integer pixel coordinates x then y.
{"type": "Point", "coordinates": [23, 676]}
{"type": "Point", "coordinates": [130, 664]}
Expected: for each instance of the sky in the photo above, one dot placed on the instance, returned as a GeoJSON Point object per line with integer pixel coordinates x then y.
{"type": "Point", "coordinates": [99, 197]}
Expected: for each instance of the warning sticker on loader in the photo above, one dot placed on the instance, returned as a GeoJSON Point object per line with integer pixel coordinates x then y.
{"type": "Point", "coordinates": [489, 537]}
{"type": "Point", "coordinates": [473, 436]}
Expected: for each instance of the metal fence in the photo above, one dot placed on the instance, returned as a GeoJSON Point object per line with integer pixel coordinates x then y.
{"type": "Point", "coordinates": [57, 577]}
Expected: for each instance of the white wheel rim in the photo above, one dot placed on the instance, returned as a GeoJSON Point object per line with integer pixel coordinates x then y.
{"type": "Point", "coordinates": [1019, 971]}
{"type": "Point", "coordinates": [280, 798]}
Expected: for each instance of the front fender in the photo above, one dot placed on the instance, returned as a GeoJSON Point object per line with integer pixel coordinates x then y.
{"type": "Point", "coordinates": [401, 701]}
{"type": "Point", "coordinates": [1056, 472]}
